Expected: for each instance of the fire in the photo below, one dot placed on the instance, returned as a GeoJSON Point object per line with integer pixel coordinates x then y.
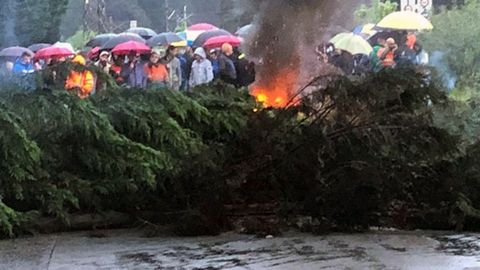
{"type": "Point", "coordinates": [278, 91]}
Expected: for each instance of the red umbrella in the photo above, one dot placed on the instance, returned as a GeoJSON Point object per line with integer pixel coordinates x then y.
{"type": "Point", "coordinates": [202, 27]}
{"type": "Point", "coordinates": [53, 52]}
{"type": "Point", "coordinates": [93, 53]}
{"type": "Point", "coordinates": [131, 46]}
{"type": "Point", "coordinates": [216, 42]}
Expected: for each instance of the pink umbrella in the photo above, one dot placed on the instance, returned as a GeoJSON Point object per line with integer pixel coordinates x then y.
{"type": "Point", "coordinates": [216, 42]}
{"type": "Point", "coordinates": [131, 46]}
{"type": "Point", "coordinates": [53, 51]}
{"type": "Point", "coordinates": [202, 27]}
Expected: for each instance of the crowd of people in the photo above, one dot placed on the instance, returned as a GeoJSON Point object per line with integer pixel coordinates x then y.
{"type": "Point", "coordinates": [182, 68]}
{"type": "Point", "coordinates": [176, 68]}
{"type": "Point", "coordinates": [387, 53]}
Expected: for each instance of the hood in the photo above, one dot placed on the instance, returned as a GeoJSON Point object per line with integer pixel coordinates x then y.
{"type": "Point", "coordinates": [200, 52]}
{"type": "Point", "coordinates": [79, 60]}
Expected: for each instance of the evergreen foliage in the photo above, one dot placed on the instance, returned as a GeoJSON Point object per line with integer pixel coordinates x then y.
{"type": "Point", "coordinates": [356, 154]}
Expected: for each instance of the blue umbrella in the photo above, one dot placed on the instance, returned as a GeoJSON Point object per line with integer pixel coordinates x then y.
{"type": "Point", "coordinates": [357, 30]}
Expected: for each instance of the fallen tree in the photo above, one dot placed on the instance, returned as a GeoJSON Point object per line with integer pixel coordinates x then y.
{"type": "Point", "coordinates": [356, 154]}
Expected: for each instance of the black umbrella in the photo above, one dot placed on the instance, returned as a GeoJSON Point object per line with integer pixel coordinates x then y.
{"type": "Point", "coordinates": [209, 34]}
{"type": "Point", "coordinates": [164, 39]}
{"type": "Point", "coordinates": [246, 31]}
{"type": "Point", "coordinates": [15, 52]}
{"type": "Point", "coordinates": [145, 33]}
{"type": "Point", "coordinates": [100, 40]}
{"type": "Point", "coordinates": [397, 35]}
{"type": "Point", "coordinates": [122, 38]}
{"type": "Point", "coordinates": [37, 47]}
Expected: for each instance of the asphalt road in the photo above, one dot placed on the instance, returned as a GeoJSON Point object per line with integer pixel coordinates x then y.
{"type": "Point", "coordinates": [129, 249]}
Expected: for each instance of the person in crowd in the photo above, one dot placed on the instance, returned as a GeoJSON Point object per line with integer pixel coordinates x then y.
{"type": "Point", "coordinates": [156, 72]}
{"type": "Point", "coordinates": [104, 62]}
{"type": "Point", "coordinates": [9, 65]}
{"type": "Point", "coordinates": [38, 64]}
{"type": "Point", "coordinates": [186, 61]}
{"type": "Point", "coordinates": [328, 54]}
{"type": "Point", "coordinates": [374, 59]}
{"type": "Point", "coordinates": [386, 54]}
{"type": "Point", "coordinates": [174, 68]}
{"type": "Point", "coordinates": [228, 72]}
{"type": "Point", "coordinates": [24, 65]}
{"type": "Point", "coordinates": [342, 60]}
{"type": "Point", "coordinates": [245, 69]}
{"type": "Point", "coordinates": [80, 79]}
{"type": "Point", "coordinates": [133, 72]}
{"type": "Point", "coordinates": [404, 56]}
{"type": "Point", "coordinates": [213, 57]}
{"type": "Point", "coordinates": [411, 40]}
{"type": "Point", "coordinates": [421, 56]}
{"type": "Point", "coordinates": [361, 64]}
{"type": "Point", "coordinates": [202, 71]}
{"type": "Point", "coordinates": [116, 68]}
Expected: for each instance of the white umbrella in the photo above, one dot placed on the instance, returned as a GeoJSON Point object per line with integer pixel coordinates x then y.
{"type": "Point", "coordinates": [64, 45]}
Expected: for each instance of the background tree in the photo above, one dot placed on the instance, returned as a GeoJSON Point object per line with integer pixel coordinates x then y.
{"type": "Point", "coordinates": [7, 24]}
{"type": "Point", "coordinates": [227, 14]}
{"type": "Point", "coordinates": [374, 12]}
{"type": "Point", "coordinates": [456, 37]}
{"type": "Point", "coordinates": [39, 20]}
{"type": "Point", "coordinates": [235, 14]}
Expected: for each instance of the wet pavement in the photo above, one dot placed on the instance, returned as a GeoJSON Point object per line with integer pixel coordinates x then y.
{"type": "Point", "coordinates": [129, 249]}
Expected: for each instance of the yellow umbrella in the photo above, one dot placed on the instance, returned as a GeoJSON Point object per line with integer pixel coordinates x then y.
{"type": "Point", "coordinates": [182, 43]}
{"type": "Point", "coordinates": [368, 29]}
{"type": "Point", "coordinates": [339, 37]}
{"type": "Point", "coordinates": [405, 20]}
{"type": "Point", "coordinates": [353, 44]}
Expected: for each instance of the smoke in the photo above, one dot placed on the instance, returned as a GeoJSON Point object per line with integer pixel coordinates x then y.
{"type": "Point", "coordinates": [289, 30]}
{"type": "Point", "coordinates": [449, 79]}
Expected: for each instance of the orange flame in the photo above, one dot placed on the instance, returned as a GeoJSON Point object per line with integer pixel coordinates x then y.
{"type": "Point", "coordinates": [278, 91]}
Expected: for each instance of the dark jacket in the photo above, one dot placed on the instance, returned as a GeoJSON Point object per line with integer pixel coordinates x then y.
{"type": "Point", "coordinates": [245, 71]}
{"type": "Point", "coordinates": [228, 72]}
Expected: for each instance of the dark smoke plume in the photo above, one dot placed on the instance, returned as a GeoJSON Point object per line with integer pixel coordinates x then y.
{"type": "Point", "coordinates": [289, 30]}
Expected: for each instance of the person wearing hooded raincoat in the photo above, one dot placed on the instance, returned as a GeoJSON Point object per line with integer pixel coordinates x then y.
{"type": "Point", "coordinates": [202, 70]}
{"type": "Point", "coordinates": [82, 81]}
